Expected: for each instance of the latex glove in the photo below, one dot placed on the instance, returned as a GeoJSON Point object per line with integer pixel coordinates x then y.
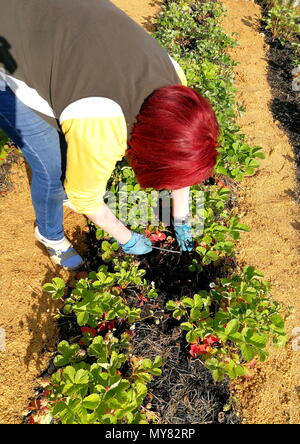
{"type": "Point", "coordinates": [137, 244]}
{"type": "Point", "coordinates": [184, 237]}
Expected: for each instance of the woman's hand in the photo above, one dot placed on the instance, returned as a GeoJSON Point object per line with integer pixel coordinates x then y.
{"type": "Point", "coordinates": [184, 237]}
{"type": "Point", "coordinates": [131, 242]}
{"type": "Point", "coordinates": [137, 244]}
{"type": "Point", "coordinates": [182, 228]}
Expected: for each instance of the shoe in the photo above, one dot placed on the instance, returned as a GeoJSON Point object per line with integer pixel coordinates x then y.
{"type": "Point", "coordinates": [61, 252]}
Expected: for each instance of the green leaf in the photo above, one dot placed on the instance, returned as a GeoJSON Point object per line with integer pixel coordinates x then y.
{"type": "Point", "coordinates": [177, 314]}
{"type": "Point", "coordinates": [186, 326]}
{"type": "Point", "coordinates": [240, 371]}
{"type": "Point", "coordinates": [217, 375]}
{"type": "Point", "coordinates": [188, 302]}
{"type": "Point", "coordinates": [191, 336]}
{"type": "Point", "coordinates": [232, 327]}
{"type": "Point", "coordinates": [82, 377]}
{"type": "Point", "coordinates": [195, 314]}
{"type": "Point", "coordinates": [277, 320]}
{"type": "Point", "coordinates": [49, 287]}
{"type": "Point", "coordinates": [69, 374]}
{"type": "Point", "coordinates": [91, 402]}
{"type": "Point", "coordinates": [82, 318]}
{"type": "Point", "coordinates": [247, 352]}
{"type": "Point", "coordinates": [60, 361]}
{"type": "Point", "coordinates": [63, 347]}
{"type": "Point", "coordinates": [156, 371]}
{"type": "Point", "coordinates": [222, 170]}
{"type": "Point", "coordinates": [147, 364]}
{"type": "Point", "coordinates": [170, 305]}
{"type": "Point", "coordinates": [259, 340]}
{"type": "Point", "coordinates": [106, 246]}
{"type": "Point", "coordinates": [212, 255]}
{"type": "Point", "coordinates": [242, 227]}
{"type": "Point", "coordinates": [59, 283]}
{"type": "Point", "coordinates": [236, 337]}
{"type": "Point", "coordinates": [157, 361]}
{"type": "Point", "coordinates": [198, 301]}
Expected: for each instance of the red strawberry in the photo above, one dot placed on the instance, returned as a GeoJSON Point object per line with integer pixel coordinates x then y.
{"type": "Point", "coordinates": [198, 350]}
{"type": "Point", "coordinates": [194, 350]}
{"type": "Point", "coordinates": [81, 275]}
{"type": "Point", "coordinates": [102, 326]}
{"type": "Point", "coordinates": [210, 339]}
{"type": "Point", "coordinates": [92, 331]}
{"type": "Point", "coordinates": [111, 325]}
{"type": "Point", "coordinates": [158, 236]}
{"type": "Point", "coordinates": [202, 349]}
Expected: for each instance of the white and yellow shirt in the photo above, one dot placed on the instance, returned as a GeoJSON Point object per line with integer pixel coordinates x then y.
{"type": "Point", "coordinates": [86, 68]}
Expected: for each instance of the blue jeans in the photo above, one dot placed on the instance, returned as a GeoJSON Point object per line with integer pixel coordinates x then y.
{"type": "Point", "coordinates": [43, 148]}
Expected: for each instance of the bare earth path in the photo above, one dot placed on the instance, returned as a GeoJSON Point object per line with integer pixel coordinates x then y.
{"type": "Point", "coordinates": [25, 311]}
{"type": "Point", "coordinates": [272, 246]}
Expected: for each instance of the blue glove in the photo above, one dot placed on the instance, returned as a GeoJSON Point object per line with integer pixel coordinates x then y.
{"type": "Point", "coordinates": [184, 237]}
{"type": "Point", "coordinates": [137, 244]}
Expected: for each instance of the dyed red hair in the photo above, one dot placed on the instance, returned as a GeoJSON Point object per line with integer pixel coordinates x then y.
{"type": "Point", "coordinates": [173, 144]}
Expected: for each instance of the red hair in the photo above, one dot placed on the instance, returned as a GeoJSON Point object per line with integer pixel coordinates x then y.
{"type": "Point", "coordinates": [173, 143]}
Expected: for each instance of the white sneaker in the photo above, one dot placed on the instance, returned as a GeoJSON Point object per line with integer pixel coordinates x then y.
{"type": "Point", "coordinates": [61, 252]}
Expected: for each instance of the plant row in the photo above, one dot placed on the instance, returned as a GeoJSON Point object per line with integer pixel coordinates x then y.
{"type": "Point", "coordinates": [283, 20]}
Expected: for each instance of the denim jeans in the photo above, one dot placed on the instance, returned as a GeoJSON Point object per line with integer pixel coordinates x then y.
{"type": "Point", "coordinates": [42, 147]}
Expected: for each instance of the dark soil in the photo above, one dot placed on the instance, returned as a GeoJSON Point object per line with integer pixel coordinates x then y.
{"type": "Point", "coordinates": [13, 157]}
{"type": "Point", "coordinates": [185, 392]}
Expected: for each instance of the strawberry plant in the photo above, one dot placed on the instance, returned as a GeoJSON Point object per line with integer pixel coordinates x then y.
{"type": "Point", "coordinates": [231, 324]}
{"type": "Point", "coordinates": [220, 228]}
{"type": "Point", "coordinates": [4, 147]}
{"type": "Point", "coordinates": [98, 393]}
{"type": "Point", "coordinates": [283, 20]}
{"type": "Point", "coordinates": [90, 387]}
{"type": "Point", "coordinates": [189, 31]}
{"type": "Point", "coordinates": [109, 250]}
{"type": "Point", "coordinates": [98, 297]}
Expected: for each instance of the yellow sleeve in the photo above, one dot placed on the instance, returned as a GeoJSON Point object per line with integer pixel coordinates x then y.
{"type": "Point", "coordinates": [95, 144]}
{"type": "Point", "coordinates": [179, 72]}
{"type": "Point", "coordinates": [181, 75]}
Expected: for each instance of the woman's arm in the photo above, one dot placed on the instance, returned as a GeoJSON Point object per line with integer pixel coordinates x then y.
{"type": "Point", "coordinates": [131, 242]}
{"type": "Point", "coordinates": [181, 202]}
{"type": "Point", "coordinates": [180, 219]}
{"type": "Point", "coordinates": [106, 220]}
